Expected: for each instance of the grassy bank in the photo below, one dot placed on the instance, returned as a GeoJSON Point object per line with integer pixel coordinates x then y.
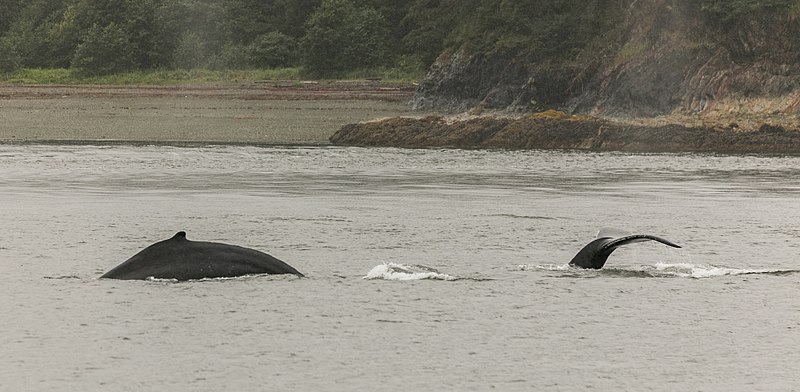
{"type": "Point", "coordinates": [192, 77]}
{"type": "Point", "coordinates": [155, 77]}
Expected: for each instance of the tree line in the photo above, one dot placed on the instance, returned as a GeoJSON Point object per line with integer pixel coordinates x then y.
{"type": "Point", "coordinates": [97, 37]}
{"type": "Point", "coordinates": [323, 37]}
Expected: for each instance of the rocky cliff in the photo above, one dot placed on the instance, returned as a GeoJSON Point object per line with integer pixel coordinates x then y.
{"type": "Point", "coordinates": [668, 57]}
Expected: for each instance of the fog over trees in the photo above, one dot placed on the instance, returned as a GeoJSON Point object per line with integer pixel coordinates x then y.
{"type": "Point", "coordinates": [324, 37]}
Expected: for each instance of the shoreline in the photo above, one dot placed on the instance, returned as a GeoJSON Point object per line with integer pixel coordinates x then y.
{"type": "Point", "coordinates": [256, 90]}
{"type": "Point", "coordinates": [553, 130]}
{"type": "Point", "coordinates": [268, 113]}
{"type": "Point", "coordinates": [365, 113]}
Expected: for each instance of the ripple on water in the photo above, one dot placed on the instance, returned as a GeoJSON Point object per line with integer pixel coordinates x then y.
{"type": "Point", "coordinates": [414, 221]}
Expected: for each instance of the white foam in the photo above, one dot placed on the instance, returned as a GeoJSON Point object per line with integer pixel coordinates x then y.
{"type": "Point", "coordinates": [402, 272]}
{"type": "Point", "coordinates": [660, 269]}
{"type": "Point", "coordinates": [161, 280]}
{"type": "Point", "coordinates": [223, 278]}
{"type": "Point", "coordinates": [546, 267]}
{"type": "Point", "coordinates": [703, 271]}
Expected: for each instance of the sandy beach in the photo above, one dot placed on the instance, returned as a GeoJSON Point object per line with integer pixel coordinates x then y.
{"type": "Point", "coordinates": [257, 113]}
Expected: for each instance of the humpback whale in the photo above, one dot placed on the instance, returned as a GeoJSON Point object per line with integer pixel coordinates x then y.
{"type": "Point", "coordinates": [595, 253]}
{"type": "Point", "coordinates": [181, 259]}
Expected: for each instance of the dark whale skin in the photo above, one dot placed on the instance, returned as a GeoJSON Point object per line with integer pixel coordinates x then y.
{"type": "Point", "coordinates": [595, 254]}
{"type": "Point", "coordinates": [181, 259]}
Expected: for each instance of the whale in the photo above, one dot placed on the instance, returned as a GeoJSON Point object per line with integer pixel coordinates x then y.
{"type": "Point", "coordinates": [595, 254]}
{"type": "Point", "coordinates": [180, 259]}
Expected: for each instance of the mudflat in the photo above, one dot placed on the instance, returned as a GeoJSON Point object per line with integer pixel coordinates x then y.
{"type": "Point", "coordinates": [256, 113]}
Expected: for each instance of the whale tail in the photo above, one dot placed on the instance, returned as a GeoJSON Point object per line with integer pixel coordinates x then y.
{"type": "Point", "coordinates": [631, 239]}
{"type": "Point", "coordinates": [595, 253]}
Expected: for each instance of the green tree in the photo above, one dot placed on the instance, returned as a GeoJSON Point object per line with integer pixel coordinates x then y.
{"type": "Point", "coordinates": [199, 29]}
{"type": "Point", "coordinates": [428, 24]}
{"type": "Point", "coordinates": [273, 49]}
{"type": "Point", "coordinates": [395, 12]}
{"type": "Point", "coordinates": [105, 50]}
{"type": "Point", "coordinates": [531, 29]}
{"type": "Point", "coordinates": [248, 19]}
{"type": "Point", "coordinates": [190, 52]}
{"type": "Point", "coordinates": [9, 60]}
{"type": "Point", "coordinates": [8, 12]}
{"type": "Point", "coordinates": [150, 44]}
{"type": "Point", "coordinates": [293, 15]}
{"type": "Point", "coordinates": [327, 37]}
{"type": "Point", "coordinates": [34, 35]}
{"type": "Point", "coordinates": [342, 36]}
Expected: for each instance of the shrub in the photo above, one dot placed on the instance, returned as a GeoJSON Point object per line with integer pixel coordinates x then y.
{"type": "Point", "coordinates": [341, 36]}
{"type": "Point", "coordinates": [190, 52]}
{"type": "Point", "coordinates": [230, 56]}
{"type": "Point", "coordinates": [9, 60]}
{"type": "Point", "coordinates": [272, 50]}
{"type": "Point", "coordinates": [104, 50]}
{"type": "Point", "coordinates": [733, 9]}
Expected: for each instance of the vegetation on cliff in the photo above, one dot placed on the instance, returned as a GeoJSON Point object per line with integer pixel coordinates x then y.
{"type": "Point", "coordinates": [326, 37]}
{"type": "Point", "coordinates": [98, 37]}
{"type": "Point", "coordinates": [719, 59]}
{"type": "Point", "coordinates": [620, 58]}
{"type": "Point", "coordinates": [727, 10]}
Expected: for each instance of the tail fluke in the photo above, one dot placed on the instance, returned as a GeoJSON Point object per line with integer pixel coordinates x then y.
{"type": "Point", "coordinates": [595, 253]}
{"type": "Point", "coordinates": [631, 239]}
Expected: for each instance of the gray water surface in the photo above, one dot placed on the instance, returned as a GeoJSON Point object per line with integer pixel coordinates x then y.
{"type": "Point", "coordinates": [426, 270]}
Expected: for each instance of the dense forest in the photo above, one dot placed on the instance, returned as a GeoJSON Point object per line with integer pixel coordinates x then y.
{"type": "Point", "coordinates": [323, 37]}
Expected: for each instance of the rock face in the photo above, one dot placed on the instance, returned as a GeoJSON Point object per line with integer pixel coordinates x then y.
{"type": "Point", "coordinates": [554, 130]}
{"type": "Point", "coordinates": [673, 76]}
{"type": "Point", "coordinates": [668, 57]}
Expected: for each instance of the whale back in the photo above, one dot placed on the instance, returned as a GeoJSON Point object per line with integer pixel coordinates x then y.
{"type": "Point", "coordinates": [181, 259]}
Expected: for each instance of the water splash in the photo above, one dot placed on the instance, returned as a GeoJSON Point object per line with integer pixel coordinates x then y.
{"type": "Point", "coordinates": [709, 271]}
{"type": "Point", "coordinates": [227, 278]}
{"type": "Point", "coordinates": [403, 272]}
{"type": "Point", "coordinates": [659, 270]}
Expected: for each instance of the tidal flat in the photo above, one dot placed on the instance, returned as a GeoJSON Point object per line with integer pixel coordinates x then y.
{"type": "Point", "coordinates": [268, 113]}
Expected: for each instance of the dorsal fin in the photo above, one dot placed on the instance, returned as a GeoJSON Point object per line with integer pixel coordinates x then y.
{"type": "Point", "coordinates": [181, 235]}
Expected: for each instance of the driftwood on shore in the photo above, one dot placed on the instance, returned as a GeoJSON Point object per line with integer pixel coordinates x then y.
{"type": "Point", "coordinates": [564, 132]}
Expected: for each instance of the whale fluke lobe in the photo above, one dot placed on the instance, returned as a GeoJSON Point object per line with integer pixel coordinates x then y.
{"type": "Point", "coordinates": [595, 253]}
{"type": "Point", "coordinates": [181, 259]}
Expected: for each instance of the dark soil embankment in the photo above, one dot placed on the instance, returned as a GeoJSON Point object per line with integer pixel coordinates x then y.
{"type": "Point", "coordinates": [564, 132]}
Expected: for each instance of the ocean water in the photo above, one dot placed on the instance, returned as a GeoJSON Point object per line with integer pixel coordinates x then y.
{"type": "Point", "coordinates": [426, 270]}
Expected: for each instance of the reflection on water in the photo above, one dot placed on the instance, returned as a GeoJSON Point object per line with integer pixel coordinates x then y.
{"type": "Point", "coordinates": [339, 169]}
{"type": "Point", "coordinates": [659, 270]}
{"type": "Point", "coordinates": [731, 210]}
{"type": "Point", "coordinates": [464, 253]}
